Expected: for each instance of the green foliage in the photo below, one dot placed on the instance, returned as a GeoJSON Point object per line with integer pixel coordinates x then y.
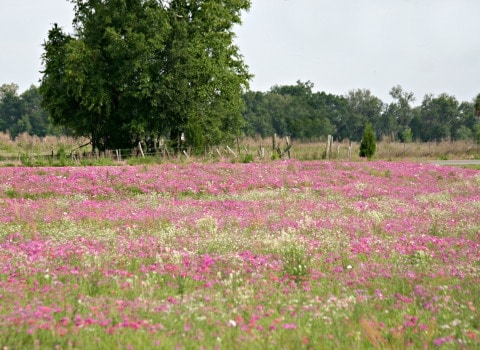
{"type": "Point", "coordinates": [247, 158]}
{"type": "Point", "coordinates": [25, 159]}
{"type": "Point", "coordinates": [102, 161]}
{"type": "Point", "coordinates": [23, 113]}
{"type": "Point", "coordinates": [297, 111]}
{"type": "Point", "coordinates": [62, 155]}
{"type": "Point", "coordinates": [477, 106]}
{"type": "Point", "coordinates": [143, 160]}
{"type": "Point", "coordinates": [291, 111]}
{"type": "Point", "coordinates": [138, 69]}
{"type": "Point", "coordinates": [407, 135]}
{"type": "Point", "coordinates": [294, 260]}
{"type": "Point", "coordinates": [11, 193]}
{"type": "Point", "coordinates": [397, 116]}
{"type": "Point", "coordinates": [476, 132]}
{"type": "Point", "coordinates": [363, 108]}
{"type": "Point", "coordinates": [368, 146]}
{"type": "Point", "coordinates": [438, 118]}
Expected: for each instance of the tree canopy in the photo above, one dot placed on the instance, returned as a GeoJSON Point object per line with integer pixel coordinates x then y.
{"type": "Point", "coordinates": [299, 112]}
{"type": "Point", "coordinates": [23, 113]}
{"type": "Point", "coordinates": [477, 105]}
{"type": "Point", "coordinates": [139, 69]}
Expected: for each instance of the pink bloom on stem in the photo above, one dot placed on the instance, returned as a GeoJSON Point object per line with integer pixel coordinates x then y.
{"type": "Point", "coordinates": [172, 300]}
{"type": "Point", "coordinates": [441, 341]}
{"type": "Point", "coordinates": [410, 321]}
{"type": "Point", "coordinates": [290, 326]}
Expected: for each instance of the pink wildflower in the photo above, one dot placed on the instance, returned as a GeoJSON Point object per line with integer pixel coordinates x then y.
{"type": "Point", "coordinates": [289, 326]}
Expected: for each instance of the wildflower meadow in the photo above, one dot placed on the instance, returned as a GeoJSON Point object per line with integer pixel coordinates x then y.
{"type": "Point", "coordinates": [274, 255]}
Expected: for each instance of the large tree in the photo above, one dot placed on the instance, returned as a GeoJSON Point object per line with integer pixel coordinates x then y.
{"type": "Point", "coordinates": [10, 108]}
{"type": "Point", "coordinates": [23, 113]}
{"type": "Point", "coordinates": [397, 116]}
{"type": "Point", "coordinates": [363, 107]}
{"type": "Point", "coordinates": [289, 110]}
{"type": "Point", "coordinates": [437, 118]}
{"type": "Point", "coordinates": [204, 73]}
{"type": "Point", "coordinates": [135, 69]}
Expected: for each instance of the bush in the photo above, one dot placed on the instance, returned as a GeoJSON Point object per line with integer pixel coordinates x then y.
{"type": "Point", "coordinates": [368, 145]}
{"type": "Point", "coordinates": [143, 160]}
{"type": "Point", "coordinates": [248, 158]}
{"type": "Point", "coordinates": [62, 155]}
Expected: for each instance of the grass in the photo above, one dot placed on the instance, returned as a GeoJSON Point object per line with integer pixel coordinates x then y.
{"type": "Point", "coordinates": [283, 254]}
{"type": "Point", "coordinates": [34, 151]}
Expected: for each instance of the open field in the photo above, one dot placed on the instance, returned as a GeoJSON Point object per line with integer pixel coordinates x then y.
{"type": "Point", "coordinates": [277, 255]}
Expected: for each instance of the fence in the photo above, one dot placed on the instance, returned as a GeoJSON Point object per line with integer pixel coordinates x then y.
{"type": "Point", "coordinates": [258, 150]}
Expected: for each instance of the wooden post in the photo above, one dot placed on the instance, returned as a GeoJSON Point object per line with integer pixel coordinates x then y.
{"type": "Point", "coordinates": [327, 152]}
{"type": "Point", "coordinates": [119, 155]}
{"type": "Point", "coordinates": [287, 140]}
{"type": "Point", "coordinates": [329, 146]}
{"type": "Point", "coordinates": [274, 142]}
{"type": "Point", "coordinates": [232, 152]}
{"type": "Point", "coordinates": [261, 152]}
{"type": "Point", "coordinates": [140, 149]}
{"type": "Point", "coordinates": [238, 145]}
{"type": "Point", "coordinates": [166, 151]}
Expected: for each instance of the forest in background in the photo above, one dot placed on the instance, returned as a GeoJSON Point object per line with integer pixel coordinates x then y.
{"type": "Point", "coordinates": [300, 113]}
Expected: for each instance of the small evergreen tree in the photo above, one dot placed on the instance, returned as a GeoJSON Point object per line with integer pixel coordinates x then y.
{"type": "Point", "coordinates": [368, 145]}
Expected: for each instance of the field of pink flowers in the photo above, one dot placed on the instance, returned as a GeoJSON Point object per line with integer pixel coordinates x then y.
{"type": "Point", "coordinates": [273, 255]}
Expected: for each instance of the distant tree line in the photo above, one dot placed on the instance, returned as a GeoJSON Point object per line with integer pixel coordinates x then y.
{"type": "Point", "coordinates": [23, 113]}
{"type": "Point", "coordinates": [299, 112]}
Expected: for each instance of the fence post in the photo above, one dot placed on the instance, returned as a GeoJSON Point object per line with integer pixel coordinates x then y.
{"type": "Point", "coordinates": [119, 155]}
{"type": "Point", "coordinates": [141, 150]}
{"type": "Point", "coordinates": [261, 152]}
{"type": "Point", "coordinates": [287, 140]}
{"type": "Point", "coordinates": [274, 142]}
{"type": "Point", "coordinates": [232, 152]}
{"type": "Point", "coordinates": [329, 146]}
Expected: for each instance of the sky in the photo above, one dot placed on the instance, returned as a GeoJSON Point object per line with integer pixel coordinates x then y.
{"type": "Point", "coordinates": [425, 46]}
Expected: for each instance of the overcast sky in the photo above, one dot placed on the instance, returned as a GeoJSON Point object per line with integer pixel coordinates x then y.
{"type": "Point", "coordinates": [426, 46]}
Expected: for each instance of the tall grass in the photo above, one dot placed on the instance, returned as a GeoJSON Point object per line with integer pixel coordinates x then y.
{"type": "Point", "coordinates": [385, 149]}
{"type": "Point", "coordinates": [47, 151]}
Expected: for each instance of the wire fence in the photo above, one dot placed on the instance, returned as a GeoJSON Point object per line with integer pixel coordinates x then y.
{"type": "Point", "coordinates": [246, 151]}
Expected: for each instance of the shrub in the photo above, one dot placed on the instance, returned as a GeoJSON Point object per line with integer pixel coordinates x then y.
{"type": "Point", "coordinates": [62, 155]}
{"type": "Point", "coordinates": [368, 145]}
{"type": "Point", "coordinates": [248, 158]}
